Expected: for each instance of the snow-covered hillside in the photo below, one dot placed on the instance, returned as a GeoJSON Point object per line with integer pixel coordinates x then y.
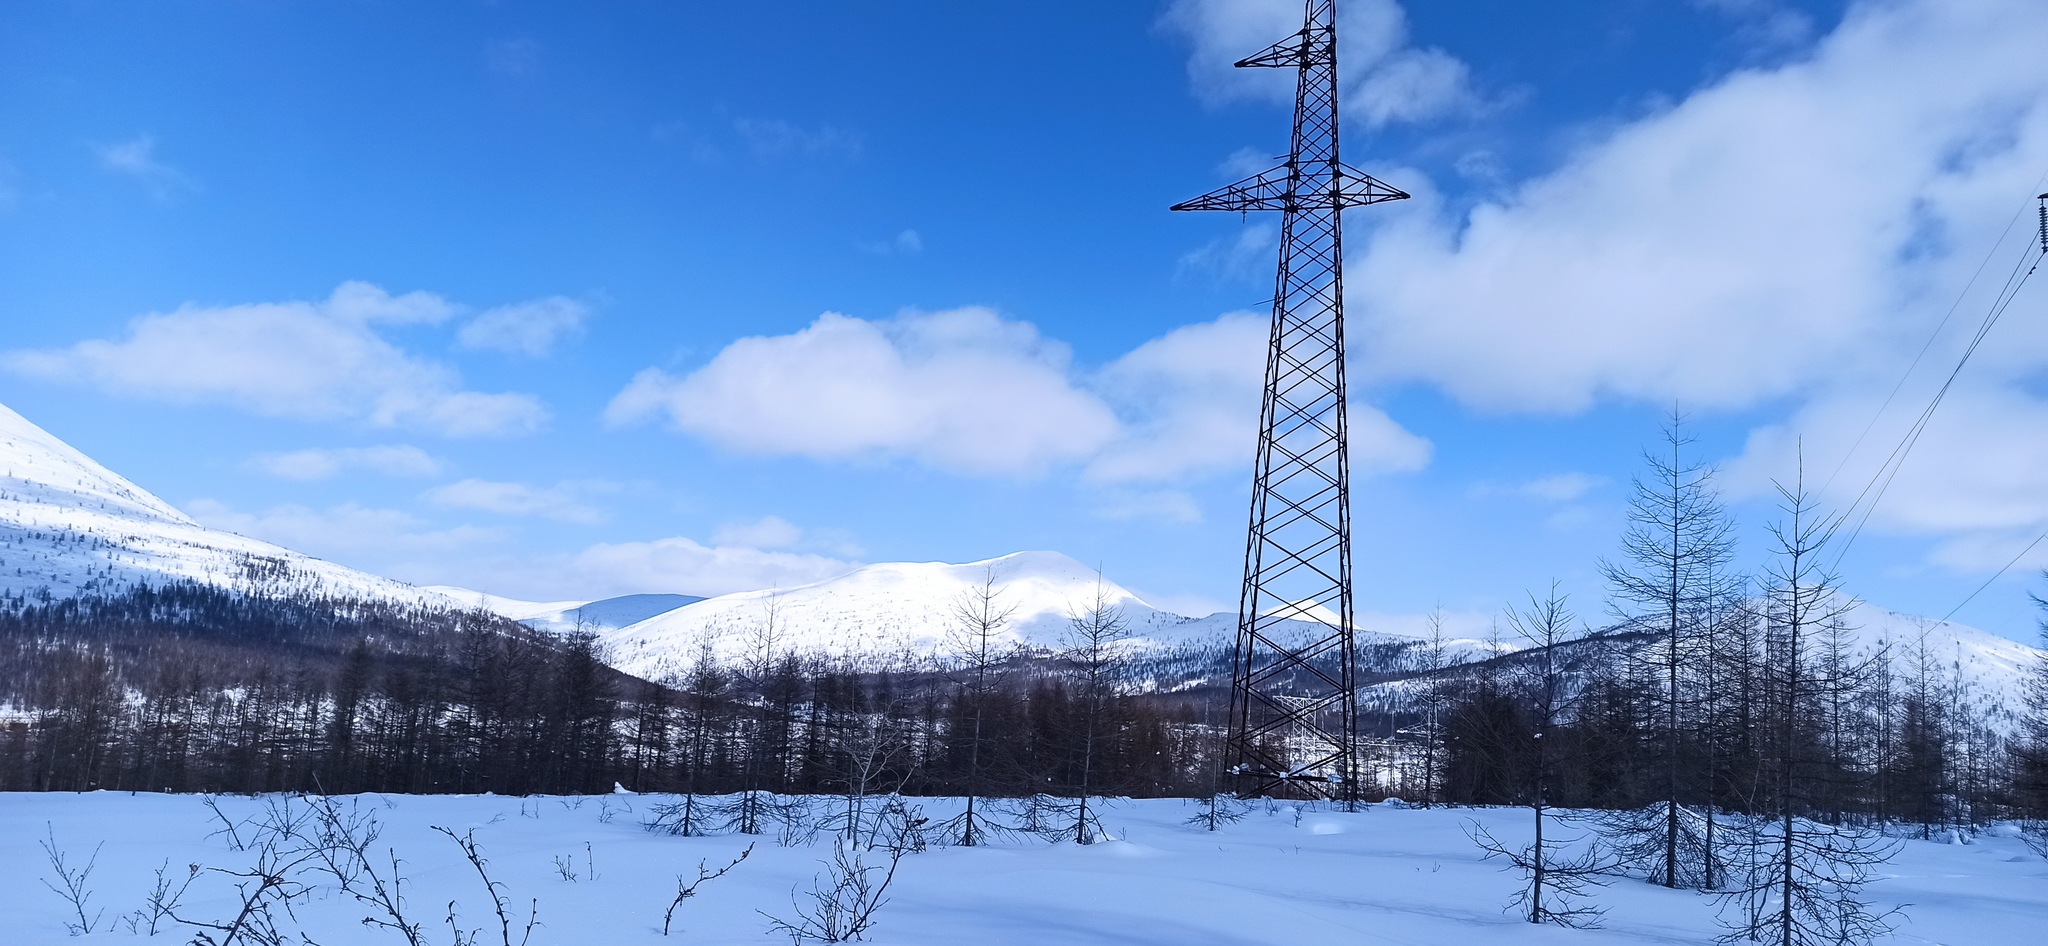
{"type": "Point", "coordinates": [1991, 669]}
{"type": "Point", "coordinates": [1986, 671]}
{"type": "Point", "coordinates": [70, 526]}
{"type": "Point", "coordinates": [894, 610]}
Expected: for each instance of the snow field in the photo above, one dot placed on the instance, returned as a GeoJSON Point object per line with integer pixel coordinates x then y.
{"type": "Point", "coordinates": [1381, 875]}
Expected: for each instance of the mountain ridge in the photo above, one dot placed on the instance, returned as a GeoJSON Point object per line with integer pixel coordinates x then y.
{"type": "Point", "coordinates": [69, 527]}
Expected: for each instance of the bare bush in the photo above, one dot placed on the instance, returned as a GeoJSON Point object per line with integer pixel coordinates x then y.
{"type": "Point", "coordinates": [164, 896]}
{"type": "Point", "coordinates": [475, 855]}
{"type": "Point", "coordinates": [682, 818]}
{"type": "Point", "coordinates": [842, 901]}
{"type": "Point", "coordinates": [227, 827]}
{"type": "Point", "coordinates": [340, 843]}
{"type": "Point", "coordinates": [266, 890]}
{"type": "Point", "coordinates": [2034, 834]}
{"type": "Point", "coordinates": [1219, 809]}
{"type": "Point", "coordinates": [71, 883]}
{"type": "Point", "coordinates": [302, 844]}
{"type": "Point", "coordinates": [685, 889]}
{"type": "Point", "coordinates": [1558, 883]}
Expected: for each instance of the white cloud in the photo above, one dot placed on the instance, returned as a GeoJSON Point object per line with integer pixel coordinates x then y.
{"type": "Point", "coordinates": [1191, 403]}
{"type": "Point", "coordinates": [516, 56]}
{"type": "Point", "coordinates": [311, 360]}
{"type": "Point", "coordinates": [1766, 235]}
{"type": "Point", "coordinates": [675, 565]}
{"type": "Point", "coordinates": [1788, 233]}
{"type": "Point", "coordinates": [970, 392]}
{"type": "Point", "coordinates": [768, 532]}
{"type": "Point", "coordinates": [680, 564]}
{"type": "Point", "coordinates": [772, 137]}
{"type": "Point", "coordinates": [403, 546]}
{"type": "Point", "coordinates": [562, 503]}
{"type": "Point", "coordinates": [343, 531]}
{"type": "Point", "coordinates": [527, 328]}
{"type": "Point", "coordinates": [137, 158]}
{"type": "Point", "coordinates": [1556, 488]}
{"type": "Point", "coordinates": [1248, 254]}
{"type": "Point", "coordinates": [1382, 78]}
{"type": "Point", "coordinates": [904, 243]}
{"type": "Point", "coordinates": [1979, 470]}
{"type": "Point", "coordinates": [357, 301]}
{"type": "Point", "coordinates": [319, 463]}
{"type": "Point", "coordinates": [963, 390]}
{"type": "Point", "coordinates": [1164, 505]}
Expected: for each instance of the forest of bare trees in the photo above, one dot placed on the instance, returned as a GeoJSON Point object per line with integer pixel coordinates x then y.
{"type": "Point", "coordinates": [190, 688]}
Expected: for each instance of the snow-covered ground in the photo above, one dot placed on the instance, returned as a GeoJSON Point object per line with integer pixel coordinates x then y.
{"type": "Point", "coordinates": [1381, 875]}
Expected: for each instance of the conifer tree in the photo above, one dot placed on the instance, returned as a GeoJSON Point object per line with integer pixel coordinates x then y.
{"type": "Point", "coordinates": [1673, 580]}
{"type": "Point", "coordinates": [1096, 660]}
{"type": "Point", "coordinates": [980, 656]}
{"type": "Point", "coordinates": [1804, 877]}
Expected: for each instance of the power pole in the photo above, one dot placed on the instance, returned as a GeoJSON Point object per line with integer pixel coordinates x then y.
{"type": "Point", "coordinates": [1293, 695]}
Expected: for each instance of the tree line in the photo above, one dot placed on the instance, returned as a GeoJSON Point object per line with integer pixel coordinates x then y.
{"type": "Point", "coordinates": [1729, 735]}
{"type": "Point", "coordinates": [190, 688]}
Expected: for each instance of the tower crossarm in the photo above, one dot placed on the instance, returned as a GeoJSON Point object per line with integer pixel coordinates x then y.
{"type": "Point", "coordinates": [1314, 45]}
{"type": "Point", "coordinates": [1283, 189]}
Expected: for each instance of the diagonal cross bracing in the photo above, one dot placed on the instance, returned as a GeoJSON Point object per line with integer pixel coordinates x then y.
{"type": "Point", "coordinates": [1293, 699]}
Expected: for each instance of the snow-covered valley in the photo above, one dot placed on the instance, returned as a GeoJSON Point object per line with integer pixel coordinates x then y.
{"type": "Point", "coordinates": [1385, 874]}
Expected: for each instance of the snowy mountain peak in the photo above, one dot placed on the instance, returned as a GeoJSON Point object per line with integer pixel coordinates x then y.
{"type": "Point", "coordinates": [1990, 669]}
{"type": "Point", "coordinates": [37, 468]}
{"type": "Point", "coordinates": [70, 526]}
{"type": "Point", "coordinates": [898, 608]}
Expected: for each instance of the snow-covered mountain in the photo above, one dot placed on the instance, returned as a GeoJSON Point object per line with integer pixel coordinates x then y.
{"type": "Point", "coordinates": [70, 526]}
{"type": "Point", "coordinates": [1990, 669]}
{"type": "Point", "coordinates": [899, 609]}
{"type": "Point", "coordinates": [1984, 670]}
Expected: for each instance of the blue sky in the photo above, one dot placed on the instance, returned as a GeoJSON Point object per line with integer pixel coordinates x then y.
{"type": "Point", "coordinates": [533, 297]}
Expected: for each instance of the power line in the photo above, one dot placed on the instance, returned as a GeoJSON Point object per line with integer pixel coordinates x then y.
{"type": "Point", "coordinates": [1888, 471]}
{"type": "Point", "coordinates": [1929, 344]}
{"type": "Point", "coordinates": [1987, 582]}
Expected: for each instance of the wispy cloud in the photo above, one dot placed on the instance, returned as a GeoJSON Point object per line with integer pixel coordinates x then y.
{"type": "Point", "coordinates": [562, 502]}
{"type": "Point", "coordinates": [1248, 254]}
{"type": "Point", "coordinates": [136, 158]}
{"type": "Point", "coordinates": [321, 463]}
{"type": "Point", "coordinates": [1556, 488]}
{"type": "Point", "coordinates": [514, 56]}
{"type": "Point", "coordinates": [349, 529]}
{"type": "Point", "coordinates": [775, 137]}
{"type": "Point", "coordinates": [527, 328]}
{"type": "Point", "coordinates": [904, 243]}
{"type": "Point", "coordinates": [309, 360]}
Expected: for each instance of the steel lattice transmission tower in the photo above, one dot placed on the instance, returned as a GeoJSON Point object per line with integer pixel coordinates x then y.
{"type": "Point", "coordinates": [1293, 699]}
